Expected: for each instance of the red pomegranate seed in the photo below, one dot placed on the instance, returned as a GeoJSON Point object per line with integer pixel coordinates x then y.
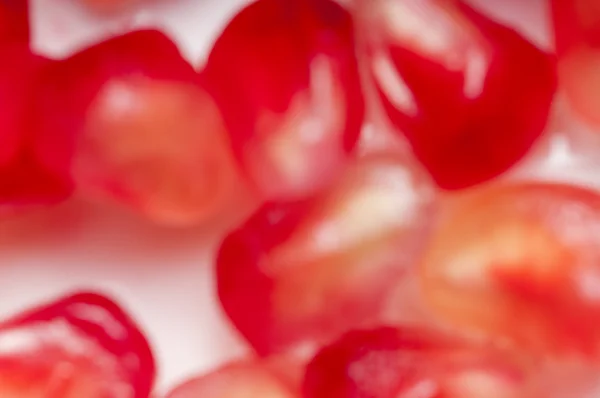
{"type": "Point", "coordinates": [299, 273]}
{"type": "Point", "coordinates": [577, 39]}
{"type": "Point", "coordinates": [14, 21]}
{"type": "Point", "coordinates": [240, 379]}
{"type": "Point", "coordinates": [520, 263]}
{"type": "Point", "coordinates": [141, 127]}
{"type": "Point", "coordinates": [82, 345]}
{"type": "Point", "coordinates": [24, 179]}
{"type": "Point", "coordinates": [408, 363]}
{"type": "Point", "coordinates": [470, 95]}
{"type": "Point", "coordinates": [286, 77]}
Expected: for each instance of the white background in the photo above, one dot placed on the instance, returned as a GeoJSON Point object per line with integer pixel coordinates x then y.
{"type": "Point", "coordinates": [163, 277]}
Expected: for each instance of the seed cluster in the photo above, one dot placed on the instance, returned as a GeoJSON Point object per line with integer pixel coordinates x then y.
{"type": "Point", "coordinates": [387, 254]}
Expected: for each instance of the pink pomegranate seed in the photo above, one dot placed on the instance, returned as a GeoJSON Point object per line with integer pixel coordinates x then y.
{"type": "Point", "coordinates": [141, 128]}
{"type": "Point", "coordinates": [82, 345]}
{"type": "Point", "coordinates": [14, 21]}
{"type": "Point", "coordinates": [470, 95]}
{"type": "Point", "coordinates": [240, 379]}
{"type": "Point", "coordinates": [408, 363]}
{"type": "Point", "coordinates": [286, 77]}
{"type": "Point", "coordinates": [520, 263]}
{"type": "Point", "coordinates": [299, 273]}
{"type": "Point", "coordinates": [577, 38]}
{"type": "Point", "coordinates": [24, 179]}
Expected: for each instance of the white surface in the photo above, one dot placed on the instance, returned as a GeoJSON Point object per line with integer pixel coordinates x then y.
{"type": "Point", "coordinates": [164, 278]}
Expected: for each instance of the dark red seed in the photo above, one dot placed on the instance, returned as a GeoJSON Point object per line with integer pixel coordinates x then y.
{"type": "Point", "coordinates": [14, 21]}
{"type": "Point", "coordinates": [24, 178]}
{"type": "Point", "coordinates": [471, 95]}
{"type": "Point", "coordinates": [286, 77]}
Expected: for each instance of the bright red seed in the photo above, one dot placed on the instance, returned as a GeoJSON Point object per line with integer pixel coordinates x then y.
{"type": "Point", "coordinates": [471, 95]}
{"type": "Point", "coordinates": [408, 363]}
{"type": "Point", "coordinates": [577, 39]}
{"type": "Point", "coordinates": [235, 380]}
{"type": "Point", "coordinates": [300, 273]}
{"type": "Point", "coordinates": [82, 345]}
{"type": "Point", "coordinates": [521, 264]}
{"type": "Point", "coordinates": [286, 77]}
{"type": "Point", "coordinates": [141, 129]}
{"type": "Point", "coordinates": [24, 178]}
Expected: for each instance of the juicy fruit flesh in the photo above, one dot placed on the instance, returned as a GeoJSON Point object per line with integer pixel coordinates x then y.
{"type": "Point", "coordinates": [519, 264]}
{"type": "Point", "coordinates": [160, 145]}
{"type": "Point", "coordinates": [446, 79]}
{"type": "Point", "coordinates": [405, 363]}
{"type": "Point", "coordinates": [237, 380]}
{"type": "Point", "coordinates": [319, 267]}
{"type": "Point", "coordinates": [295, 110]}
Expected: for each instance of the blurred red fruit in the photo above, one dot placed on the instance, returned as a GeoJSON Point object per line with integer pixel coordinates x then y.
{"type": "Point", "coordinates": [80, 346]}
{"type": "Point", "coordinates": [520, 264]}
{"type": "Point", "coordinates": [407, 363]}
{"type": "Point", "coordinates": [577, 39]}
{"type": "Point", "coordinates": [470, 95]}
{"type": "Point", "coordinates": [141, 127]}
{"type": "Point", "coordinates": [236, 380]}
{"type": "Point", "coordinates": [286, 77]}
{"type": "Point", "coordinates": [24, 179]}
{"type": "Point", "coordinates": [297, 274]}
{"type": "Point", "coordinates": [14, 22]}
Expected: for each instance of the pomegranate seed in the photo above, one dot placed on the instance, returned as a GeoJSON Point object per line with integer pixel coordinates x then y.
{"type": "Point", "coordinates": [470, 95]}
{"type": "Point", "coordinates": [286, 77]}
{"type": "Point", "coordinates": [82, 345]}
{"type": "Point", "coordinates": [577, 36]}
{"type": "Point", "coordinates": [519, 263]}
{"type": "Point", "coordinates": [24, 180]}
{"type": "Point", "coordinates": [299, 273]}
{"type": "Point", "coordinates": [14, 21]}
{"type": "Point", "coordinates": [240, 379]}
{"type": "Point", "coordinates": [407, 363]}
{"type": "Point", "coordinates": [141, 127]}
